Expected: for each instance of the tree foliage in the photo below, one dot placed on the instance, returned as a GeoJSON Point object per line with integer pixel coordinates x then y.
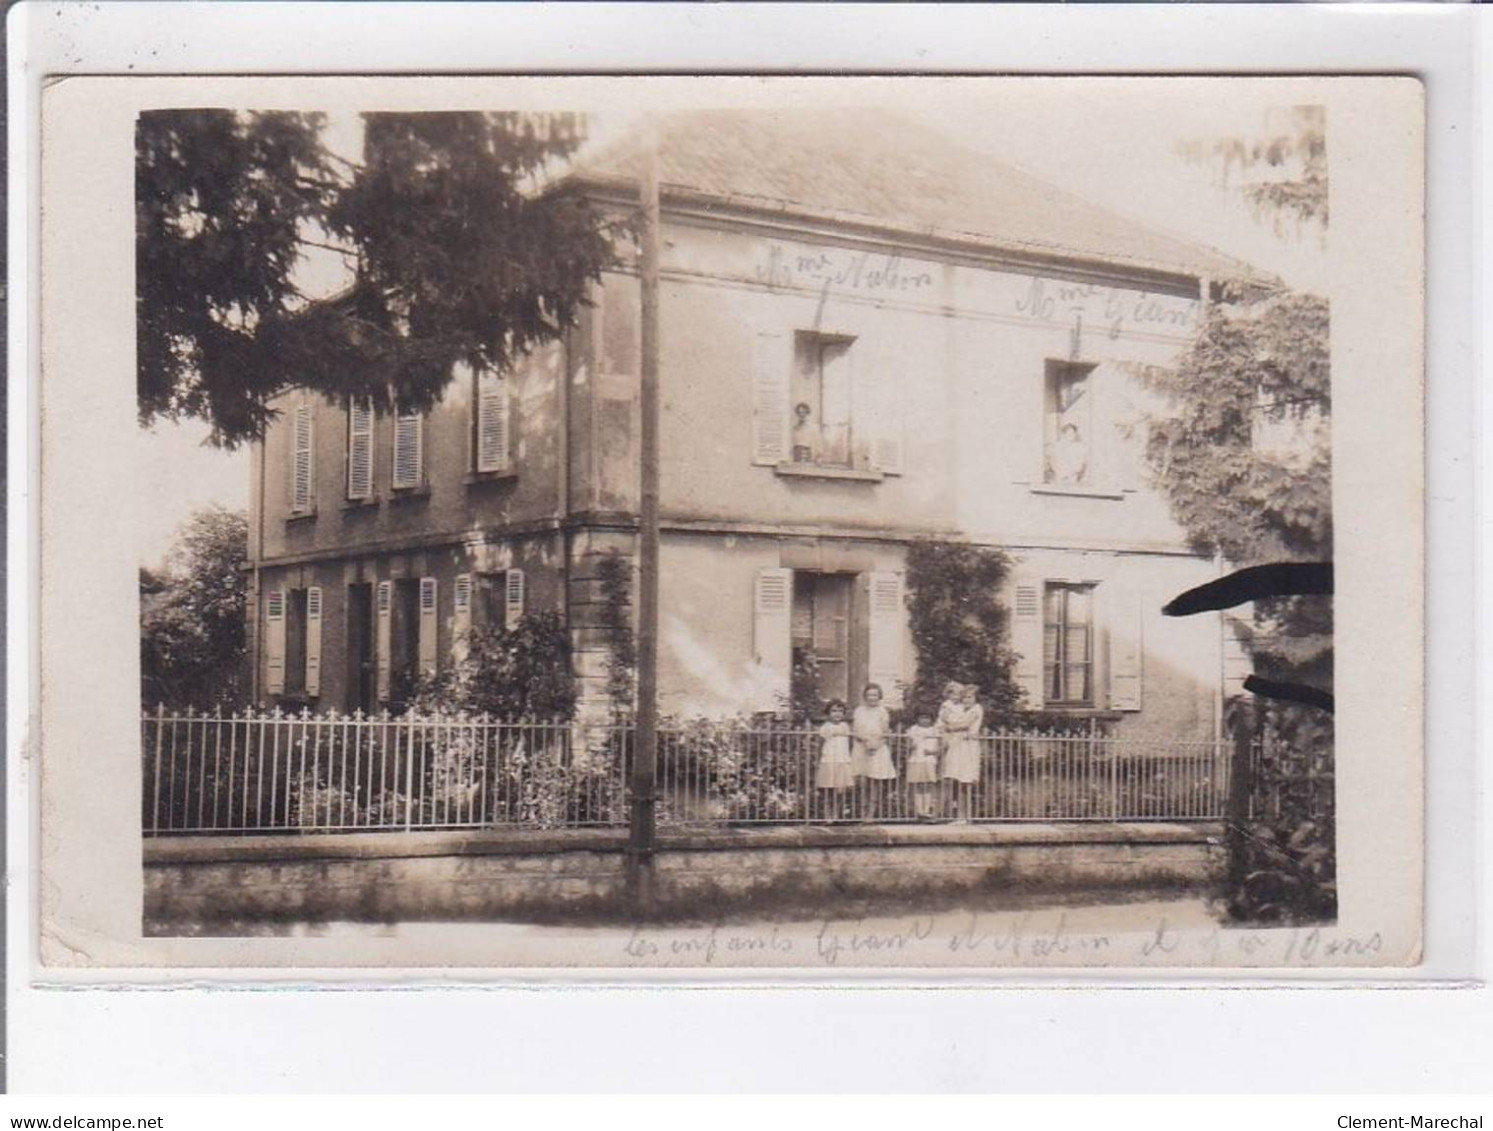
{"type": "Point", "coordinates": [960, 628]}
{"type": "Point", "coordinates": [193, 650]}
{"type": "Point", "coordinates": [457, 257]}
{"type": "Point", "coordinates": [1282, 172]}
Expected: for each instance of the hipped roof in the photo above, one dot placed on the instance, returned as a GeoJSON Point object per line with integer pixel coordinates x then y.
{"type": "Point", "coordinates": [876, 169]}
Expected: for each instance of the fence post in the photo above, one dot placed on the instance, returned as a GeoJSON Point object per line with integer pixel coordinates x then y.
{"type": "Point", "coordinates": [1240, 785]}
{"type": "Point", "coordinates": [409, 770]}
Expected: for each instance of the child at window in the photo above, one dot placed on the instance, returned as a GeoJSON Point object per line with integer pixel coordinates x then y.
{"type": "Point", "coordinates": [960, 720]}
{"type": "Point", "coordinates": [805, 435]}
{"type": "Point", "coordinates": [922, 765]}
{"type": "Point", "coordinates": [871, 756]}
{"type": "Point", "coordinates": [834, 775]}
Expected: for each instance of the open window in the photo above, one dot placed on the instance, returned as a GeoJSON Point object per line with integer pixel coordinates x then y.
{"type": "Point", "coordinates": [1068, 425]}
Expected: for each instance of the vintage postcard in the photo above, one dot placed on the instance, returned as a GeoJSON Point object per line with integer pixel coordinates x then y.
{"type": "Point", "coordinates": [644, 525]}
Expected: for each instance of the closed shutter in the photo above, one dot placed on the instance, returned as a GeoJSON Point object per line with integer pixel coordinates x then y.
{"type": "Point", "coordinates": [770, 371]}
{"type": "Point", "coordinates": [1125, 656]}
{"type": "Point", "coordinates": [428, 626]}
{"type": "Point", "coordinates": [384, 636]}
{"type": "Point", "coordinates": [513, 598]}
{"type": "Point", "coordinates": [274, 650]}
{"type": "Point", "coordinates": [313, 641]}
{"type": "Point", "coordinates": [886, 635]}
{"type": "Point", "coordinates": [771, 639]}
{"type": "Point", "coordinates": [301, 453]}
{"type": "Point", "coordinates": [360, 449]}
{"type": "Point", "coordinates": [1026, 640]}
{"type": "Point", "coordinates": [461, 618]}
{"type": "Point", "coordinates": [493, 436]}
{"type": "Point", "coordinates": [408, 458]}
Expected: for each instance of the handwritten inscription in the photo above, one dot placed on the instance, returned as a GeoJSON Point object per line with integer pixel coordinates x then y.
{"type": "Point", "coordinates": [1116, 309]}
{"type": "Point", "coordinates": [1024, 938]}
{"type": "Point", "coordinates": [851, 271]}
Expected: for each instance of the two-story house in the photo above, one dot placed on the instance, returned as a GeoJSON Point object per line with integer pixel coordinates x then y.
{"type": "Point", "coordinates": [869, 335]}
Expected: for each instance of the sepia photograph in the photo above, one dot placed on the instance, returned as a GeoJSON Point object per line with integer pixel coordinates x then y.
{"type": "Point", "coordinates": [805, 523]}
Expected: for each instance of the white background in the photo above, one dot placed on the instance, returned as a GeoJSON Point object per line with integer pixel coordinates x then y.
{"type": "Point", "coordinates": [627, 1038]}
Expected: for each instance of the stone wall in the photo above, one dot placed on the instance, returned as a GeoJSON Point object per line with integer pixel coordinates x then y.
{"type": "Point", "coordinates": [580, 875]}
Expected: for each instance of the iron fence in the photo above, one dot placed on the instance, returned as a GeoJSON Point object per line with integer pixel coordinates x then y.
{"type": "Point", "coordinates": [252, 772]}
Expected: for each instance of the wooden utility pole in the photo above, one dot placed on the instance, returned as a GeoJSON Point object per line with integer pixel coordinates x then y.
{"type": "Point", "coordinates": [645, 757]}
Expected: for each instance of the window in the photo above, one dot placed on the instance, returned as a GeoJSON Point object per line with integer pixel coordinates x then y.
{"type": "Point", "coordinates": [821, 630]}
{"type": "Point", "coordinates": [409, 454]}
{"type": "Point", "coordinates": [491, 435]}
{"type": "Point", "coordinates": [503, 598]}
{"type": "Point", "coordinates": [360, 450]}
{"type": "Point", "coordinates": [818, 401]}
{"type": "Point", "coordinates": [301, 453]}
{"type": "Point", "coordinates": [1068, 645]}
{"type": "Point", "coordinates": [295, 642]}
{"type": "Point", "coordinates": [820, 391]}
{"type": "Point", "coordinates": [1068, 424]}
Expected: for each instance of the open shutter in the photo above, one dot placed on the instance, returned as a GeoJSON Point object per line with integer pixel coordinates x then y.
{"type": "Point", "coordinates": [1238, 665]}
{"type": "Point", "coordinates": [301, 451]}
{"type": "Point", "coordinates": [1125, 657]}
{"type": "Point", "coordinates": [360, 449]}
{"type": "Point", "coordinates": [461, 619]}
{"type": "Point", "coordinates": [770, 372]}
{"type": "Point", "coordinates": [274, 643]}
{"type": "Point", "coordinates": [408, 459]}
{"type": "Point", "coordinates": [384, 636]}
{"type": "Point", "coordinates": [1026, 640]}
{"type": "Point", "coordinates": [313, 641]}
{"type": "Point", "coordinates": [428, 626]}
{"type": "Point", "coordinates": [886, 636]}
{"type": "Point", "coordinates": [772, 638]}
{"type": "Point", "coordinates": [513, 598]}
{"type": "Point", "coordinates": [493, 438]}
{"type": "Point", "coordinates": [884, 426]}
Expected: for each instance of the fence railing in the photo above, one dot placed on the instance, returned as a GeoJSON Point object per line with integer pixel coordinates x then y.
{"type": "Point", "coordinates": [263, 772]}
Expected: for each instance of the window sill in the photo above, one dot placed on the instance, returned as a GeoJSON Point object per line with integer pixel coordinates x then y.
{"type": "Point", "coordinates": [410, 494]}
{"type": "Point", "coordinates": [817, 471]}
{"type": "Point", "coordinates": [1078, 491]}
{"type": "Point", "coordinates": [478, 478]}
{"type": "Point", "coordinates": [369, 504]}
{"type": "Point", "coordinates": [1098, 714]}
{"type": "Point", "coordinates": [300, 516]}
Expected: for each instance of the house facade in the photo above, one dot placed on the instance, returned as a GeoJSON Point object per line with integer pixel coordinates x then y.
{"type": "Point", "coordinates": [868, 336]}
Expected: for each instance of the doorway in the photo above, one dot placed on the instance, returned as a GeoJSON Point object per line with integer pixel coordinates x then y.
{"type": "Point", "coordinates": [825, 631]}
{"type": "Point", "coordinates": [362, 667]}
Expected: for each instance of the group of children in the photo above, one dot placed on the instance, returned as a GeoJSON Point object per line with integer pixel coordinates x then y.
{"type": "Point", "coordinates": [942, 763]}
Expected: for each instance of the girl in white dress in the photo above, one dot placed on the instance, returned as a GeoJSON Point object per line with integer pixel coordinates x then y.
{"type": "Point", "coordinates": [834, 775]}
{"type": "Point", "coordinates": [922, 765]}
{"type": "Point", "coordinates": [961, 722]}
{"type": "Point", "coordinates": [871, 750]}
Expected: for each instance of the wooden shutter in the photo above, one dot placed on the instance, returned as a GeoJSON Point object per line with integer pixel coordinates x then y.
{"type": "Point", "coordinates": [885, 425]}
{"type": "Point", "coordinates": [513, 598]}
{"type": "Point", "coordinates": [1238, 665]}
{"type": "Point", "coordinates": [1125, 655]}
{"type": "Point", "coordinates": [772, 638]}
{"type": "Point", "coordinates": [493, 436]}
{"type": "Point", "coordinates": [408, 457]}
{"type": "Point", "coordinates": [274, 642]}
{"type": "Point", "coordinates": [360, 449]}
{"type": "Point", "coordinates": [384, 636]}
{"type": "Point", "coordinates": [300, 458]}
{"type": "Point", "coordinates": [1026, 640]}
{"type": "Point", "coordinates": [886, 635]}
{"type": "Point", "coordinates": [313, 641]}
{"type": "Point", "coordinates": [461, 618]}
{"type": "Point", "coordinates": [428, 626]}
{"type": "Point", "coordinates": [770, 372]}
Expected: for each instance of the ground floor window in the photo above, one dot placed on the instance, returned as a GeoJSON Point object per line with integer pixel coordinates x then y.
{"type": "Point", "coordinates": [824, 631]}
{"type": "Point", "coordinates": [1068, 645]}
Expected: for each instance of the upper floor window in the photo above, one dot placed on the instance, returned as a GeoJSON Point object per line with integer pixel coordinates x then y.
{"type": "Point", "coordinates": [492, 439]}
{"type": "Point", "coordinates": [360, 450]}
{"type": "Point", "coordinates": [1068, 424]}
{"type": "Point", "coordinates": [409, 451]}
{"type": "Point", "coordinates": [302, 454]}
{"type": "Point", "coordinates": [821, 401]}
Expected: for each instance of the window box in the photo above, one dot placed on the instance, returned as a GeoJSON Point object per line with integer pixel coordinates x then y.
{"type": "Point", "coordinates": [368, 504]}
{"type": "Point", "coordinates": [410, 494]}
{"type": "Point", "coordinates": [478, 478]}
{"type": "Point", "coordinates": [819, 471]}
{"type": "Point", "coordinates": [300, 516]}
